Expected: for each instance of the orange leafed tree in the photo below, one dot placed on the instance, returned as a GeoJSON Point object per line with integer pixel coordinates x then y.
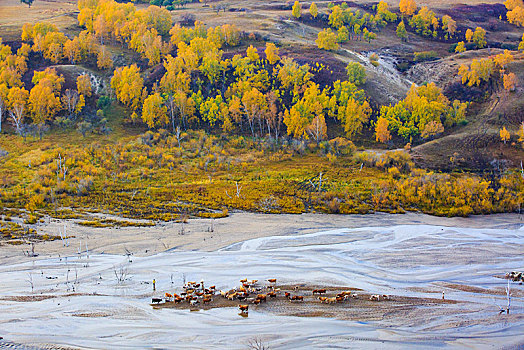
{"type": "Point", "coordinates": [382, 133]}
{"type": "Point", "coordinates": [510, 81]}
{"type": "Point", "coordinates": [407, 7]}
{"type": "Point", "coordinates": [516, 16]}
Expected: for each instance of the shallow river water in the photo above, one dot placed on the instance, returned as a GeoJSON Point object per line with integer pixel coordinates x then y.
{"type": "Point", "coordinates": [406, 260]}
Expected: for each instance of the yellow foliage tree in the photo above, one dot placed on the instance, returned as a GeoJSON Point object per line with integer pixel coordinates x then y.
{"type": "Point", "coordinates": [461, 47]}
{"type": "Point", "coordinates": [480, 71]}
{"type": "Point", "coordinates": [317, 130]}
{"type": "Point", "coordinates": [255, 104]}
{"type": "Point", "coordinates": [43, 103]}
{"type": "Point", "coordinates": [449, 26]}
{"type": "Point", "coordinates": [510, 81]}
{"type": "Point", "coordinates": [432, 129]}
{"type": "Point", "coordinates": [128, 85]}
{"type": "Point", "coordinates": [327, 40]}
{"type": "Point", "coordinates": [83, 85]}
{"type": "Point", "coordinates": [469, 35]}
{"type": "Point", "coordinates": [520, 133]}
{"type": "Point", "coordinates": [512, 4]}
{"type": "Point", "coordinates": [103, 58]}
{"type": "Point", "coordinates": [353, 116]}
{"type": "Point", "coordinates": [17, 96]}
{"type": "Point", "coordinates": [311, 105]}
{"type": "Point", "coordinates": [154, 111]}
{"type": "Point", "coordinates": [271, 52]}
{"type": "Point", "coordinates": [479, 37]}
{"type": "Point", "coordinates": [407, 7]}
{"type": "Point", "coordinates": [503, 59]}
{"type": "Point", "coordinates": [516, 16]}
{"type": "Point", "coordinates": [252, 53]}
{"type": "Point", "coordinates": [504, 135]}
{"type": "Point", "coordinates": [313, 10]}
{"type": "Point", "coordinates": [382, 133]}
{"type": "Point", "coordinates": [297, 9]}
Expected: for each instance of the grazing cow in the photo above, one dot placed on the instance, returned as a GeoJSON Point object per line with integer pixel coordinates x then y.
{"type": "Point", "coordinates": [193, 302]}
{"type": "Point", "coordinates": [232, 296]}
{"type": "Point", "coordinates": [262, 297]}
{"type": "Point", "coordinates": [340, 299]}
{"type": "Point", "coordinates": [272, 280]}
{"type": "Point", "coordinates": [178, 300]}
{"type": "Point", "coordinates": [375, 297]}
{"type": "Point", "coordinates": [287, 295]}
{"type": "Point", "coordinates": [206, 300]}
{"type": "Point", "coordinates": [256, 301]}
{"type": "Point", "coordinates": [156, 300]}
{"type": "Point", "coordinates": [319, 291]}
{"type": "Point", "coordinates": [244, 280]}
{"type": "Point", "coordinates": [199, 294]}
{"type": "Point", "coordinates": [190, 291]}
{"type": "Point", "coordinates": [297, 298]}
{"type": "Point", "coordinates": [272, 294]}
{"type": "Point", "coordinates": [354, 296]}
{"type": "Point", "coordinates": [168, 296]}
{"type": "Point", "coordinates": [385, 296]}
{"type": "Point", "coordinates": [243, 308]}
{"type": "Point", "coordinates": [331, 300]}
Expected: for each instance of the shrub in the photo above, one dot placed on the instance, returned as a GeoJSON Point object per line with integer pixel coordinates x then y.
{"type": "Point", "coordinates": [425, 56]}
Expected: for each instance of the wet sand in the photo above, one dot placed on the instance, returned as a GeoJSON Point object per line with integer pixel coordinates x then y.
{"type": "Point", "coordinates": [77, 300]}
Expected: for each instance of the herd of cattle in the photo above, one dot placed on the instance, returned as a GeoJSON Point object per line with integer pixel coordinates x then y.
{"type": "Point", "coordinates": [252, 292]}
{"type": "Point", "coordinates": [515, 276]}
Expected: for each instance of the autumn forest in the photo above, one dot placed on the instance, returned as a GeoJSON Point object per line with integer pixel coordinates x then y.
{"type": "Point", "coordinates": [169, 110]}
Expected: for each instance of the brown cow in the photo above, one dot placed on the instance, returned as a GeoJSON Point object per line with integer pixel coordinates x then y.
{"type": "Point", "coordinates": [262, 297]}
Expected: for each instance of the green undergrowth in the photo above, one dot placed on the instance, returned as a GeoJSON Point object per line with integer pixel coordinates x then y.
{"type": "Point", "coordinates": [15, 234]}
{"type": "Point", "coordinates": [114, 223]}
{"type": "Point", "coordinates": [159, 177]}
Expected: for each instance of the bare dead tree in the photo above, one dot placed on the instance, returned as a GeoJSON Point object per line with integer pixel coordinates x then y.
{"type": "Point", "coordinates": [30, 281]}
{"type": "Point", "coordinates": [61, 168]}
{"type": "Point", "coordinates": [239, 188]}
{"type": "Point", "coordinates": [257, 343]}
{"type": "Point", "coordinates": [120, 273]}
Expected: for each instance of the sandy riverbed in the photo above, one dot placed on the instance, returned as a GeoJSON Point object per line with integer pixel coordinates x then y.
{"type": "Point", "coordinates": [79, 303]}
